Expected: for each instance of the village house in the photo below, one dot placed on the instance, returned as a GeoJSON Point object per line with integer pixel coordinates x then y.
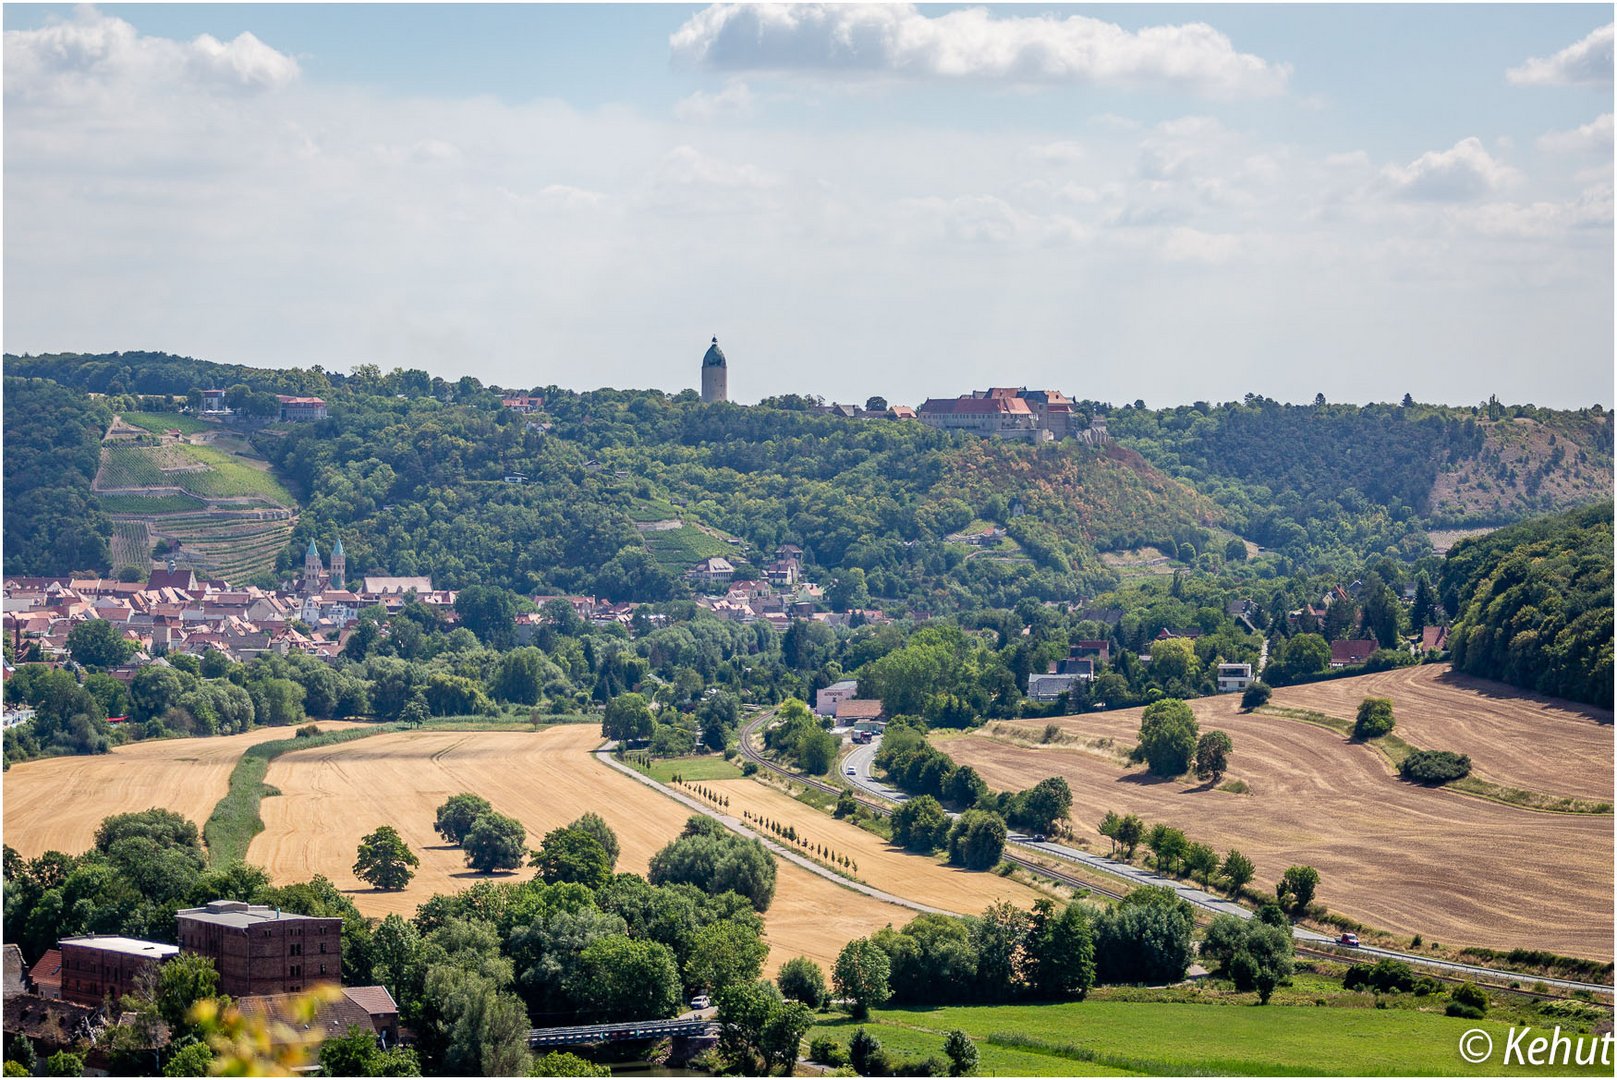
{"type": "Point", "coordinates": [301, 408]}
{"type": "Point", "coordinates": [1234, 677]}
{"type": "Point", "coordinates": [522, 403]}
{"type": "Point", "coordinates": [1050, 686]}
{"type": "Point", "coordinates": [1350, 653]}
{"type": "Point", "coordinates": [828, 698]}
{"type": "Point", "coordinates": [99, 966]}
{"type": "Point", "coordinates": [714, 571]}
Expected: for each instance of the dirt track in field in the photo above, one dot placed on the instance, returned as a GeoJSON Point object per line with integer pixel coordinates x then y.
{"type": "Point", "coordinates": [1513, 737]}
{"type": "Point", "coordinates": [1455, 869]}
{"type": "Point", "coordinates": [58, 803]}
{"type": "Point", "coordinates": [332, 796]}
{"type": "Point", "coordinates": [881, 865]}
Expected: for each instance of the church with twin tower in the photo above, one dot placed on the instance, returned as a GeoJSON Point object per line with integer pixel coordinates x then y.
{"type": "Point", "coordinates": [715, 376]}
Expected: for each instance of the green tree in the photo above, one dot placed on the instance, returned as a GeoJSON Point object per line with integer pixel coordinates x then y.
{"type": "Point", "coordinates": [628, 718]}
{"type": "Point", "coordinates": [1201, 863]}
{"type": "Point", "coordinates": [716, 861]}
{"type": "Point", "coordinates": [1255, 695]}
{"type": "Point", "coordinates": [490, 613]}
{"type": "Point", "coordinates": [353, 1053]}
{"type": "Point", "coordinates": [1295, 890]}
{"type": "Point", "coordinates": [1168, 845]}
{"type": "Point", "coordinates": [596, 826]}
{"type": "Point", "coordinates": [800, 979]}
{"type": "Point", "coordinates": [520, 677]}
{"type": "Point", "coordinates": [192, 1059]}
{"type": "Point", "coordinates": [920, 825]}
{"type": "Point", "coordinates": [1059, 954]}
{"type": "Point", "coordinates": [385, 861]}
{"type": "Point", "coordinates": [1130, 831]}
{"type": "Point", "coordinates": [1305, 654]}
{"type": "Point", "coordinates": [181, 983]}
{"type": "Point", "coordinates": [1237, 870]}
{"type": "Point", "coordinates": [1167, 737]}
{"type": "Point", "coordinates": [961, 1052]}
{"type": "Point", "coordinates": [1424, 609]}
{"type": "Point", "coordinates": [1039, 807]}
{"type": "Point", "coordinates": [861, 975]}
{"type": "Point", "coordinates": [560, 1063]}
{"type": "Point", "coordinates": [456, 815]}
{"type": "Point", "coordinates": [495, 842]}
{"type": "Point", "coordinates": [1374, 718]}
{"type": "Point", "coordinates": [977, 840]}
{"type": "Point", "coordinates": [97, 644]}
{"type": "Point", "coordinates": [1213, 756]}
{"type": "Point", "coordinates": [64, 1063]}
{"type": "Point", "coordinates": [571, 854]}
{"type": "Point", "coordinates": [723, 954]}
{"type": "Point", "coordinates": [1146, 938]}
{"type": "Point", "coordinates": [848, 590]}
{"type": "Point", "coordinates": [618, 978]}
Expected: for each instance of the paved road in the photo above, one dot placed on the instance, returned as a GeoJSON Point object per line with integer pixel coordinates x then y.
{"type": "Point", "coordinates": [862, 760]}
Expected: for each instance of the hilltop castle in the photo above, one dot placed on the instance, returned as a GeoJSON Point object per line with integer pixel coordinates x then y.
{"type": "Point", "coordinates": [715, 375]}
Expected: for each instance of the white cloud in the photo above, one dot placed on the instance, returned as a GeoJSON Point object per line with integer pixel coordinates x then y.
{"type": "Point", "coordinates": [1065, 152]}
{"type": "Point", "coordinates": [1583, 63]}
{"type": "Point", "coordinates": [68, 60]}
{"type": "Point", "coordinates": [1591, 210]}
{"type": "Point", "coordinates": [899, 40]}
{"type": "Point", "coordinates": [1465, 171]}
{"type": "Point", "coordinates": [735, 100]}
{"type": "Point", "coordinates": [1593, 137]}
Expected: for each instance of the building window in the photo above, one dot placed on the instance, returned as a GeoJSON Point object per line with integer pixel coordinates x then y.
{"type": "Point", "coordinates": [322, 946]}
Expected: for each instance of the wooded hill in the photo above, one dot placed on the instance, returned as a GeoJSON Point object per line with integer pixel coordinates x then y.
{"type": "Point", "coordinates": [411, 470]}
{"type": "Point", "coordinates": [1535, 605]}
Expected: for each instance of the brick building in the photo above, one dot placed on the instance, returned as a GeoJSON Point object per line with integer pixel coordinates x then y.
{"type": "Point", "coordinates": [262, 950]}
{"type": "Point", "coordinates": [98, 967]}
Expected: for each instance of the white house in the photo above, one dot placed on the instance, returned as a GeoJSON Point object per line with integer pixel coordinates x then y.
{"type": "Point", "coordinates": [1234, 677]}
{"type": "Point", "coordinates": [829, 697]}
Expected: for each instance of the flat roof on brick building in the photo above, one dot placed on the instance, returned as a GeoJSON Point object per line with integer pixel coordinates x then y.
{"type": "Point", "coordinates": [237, 914]}
{"type": "Point", "coordinates": [131, 946]}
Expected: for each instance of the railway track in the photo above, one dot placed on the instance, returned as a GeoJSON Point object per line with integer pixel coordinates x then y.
{"type": "Point", "coordinates": [1440, 969]}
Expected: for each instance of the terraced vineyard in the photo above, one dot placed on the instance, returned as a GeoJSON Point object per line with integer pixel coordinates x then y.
{"type": "Point", "coordinates": [197, 470]}
{"type": "Point", "coordinates": [131, 546]}
{"type": "Point", "coordinates": [219, 507]}
{"type": "Point", "coordinates": [157, 423]}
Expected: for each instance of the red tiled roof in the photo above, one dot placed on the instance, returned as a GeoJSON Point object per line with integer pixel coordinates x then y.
{"type": "Point", "coordinates": [970, 406]}
{"type": "Point", "coordinates": [1352, 652]}
{"type": "Point", "coordinates": [47, 973]}
{"type": "Point", "coordinates": [859, 709]}
{"type": "Point", "coordinates": [373, 999]}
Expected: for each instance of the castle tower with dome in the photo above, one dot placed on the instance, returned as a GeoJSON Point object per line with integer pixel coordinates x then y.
{"type": "Point", "coordinates": [715, 375]}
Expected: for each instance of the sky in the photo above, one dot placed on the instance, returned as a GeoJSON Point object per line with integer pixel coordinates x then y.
{"type": "Point", "coordinates": [1160, 202]}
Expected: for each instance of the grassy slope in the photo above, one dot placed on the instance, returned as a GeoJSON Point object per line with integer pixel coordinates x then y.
{"type": "Point", "coordinates": [158, 423]}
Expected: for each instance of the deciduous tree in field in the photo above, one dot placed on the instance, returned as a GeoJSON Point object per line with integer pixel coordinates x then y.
{"type": "Point", "coordinates": [1201, 863]}
{"type": "Point", "coordinates": [1168, 737]}
{"type": "Point", "coordinates": [1374, 718]}
{"type": "Point", "coordinates": [495, 842]}
{"type": "Point", "coordinates": [1213, 756]}
{"type": "Point", "coordinates": [385, 861]}
{"type": "Point", "coordinates": [456, 815]}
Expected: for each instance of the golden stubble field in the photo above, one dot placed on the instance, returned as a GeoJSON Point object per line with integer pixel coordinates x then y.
{"type": "Point", "coordinates": [57, 803]}
{"type": "Point", "coordinates": [1513, 737]}
{"type": "Point", "coordinates": [1453, 868]}
{"type": "Point", "coordinates": [332, 796]}
{"type": "Point", "coordinates": [881, 865]}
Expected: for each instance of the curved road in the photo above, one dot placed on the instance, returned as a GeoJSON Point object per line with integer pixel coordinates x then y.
{"type": "Point", "coordinates": [861, 759]}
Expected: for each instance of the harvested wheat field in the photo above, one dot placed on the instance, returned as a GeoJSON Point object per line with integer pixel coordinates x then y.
{"type": "Point", "coordinates": [332, 796]}
{"type": "Point", "coordinates": [881, 865]}
{"type": "Point", "coordinates": [1408, 859]}
{"type": "Point", "coordinates": [57, 803]}
{"type": "Point", "coordinates": [1513, 737]}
